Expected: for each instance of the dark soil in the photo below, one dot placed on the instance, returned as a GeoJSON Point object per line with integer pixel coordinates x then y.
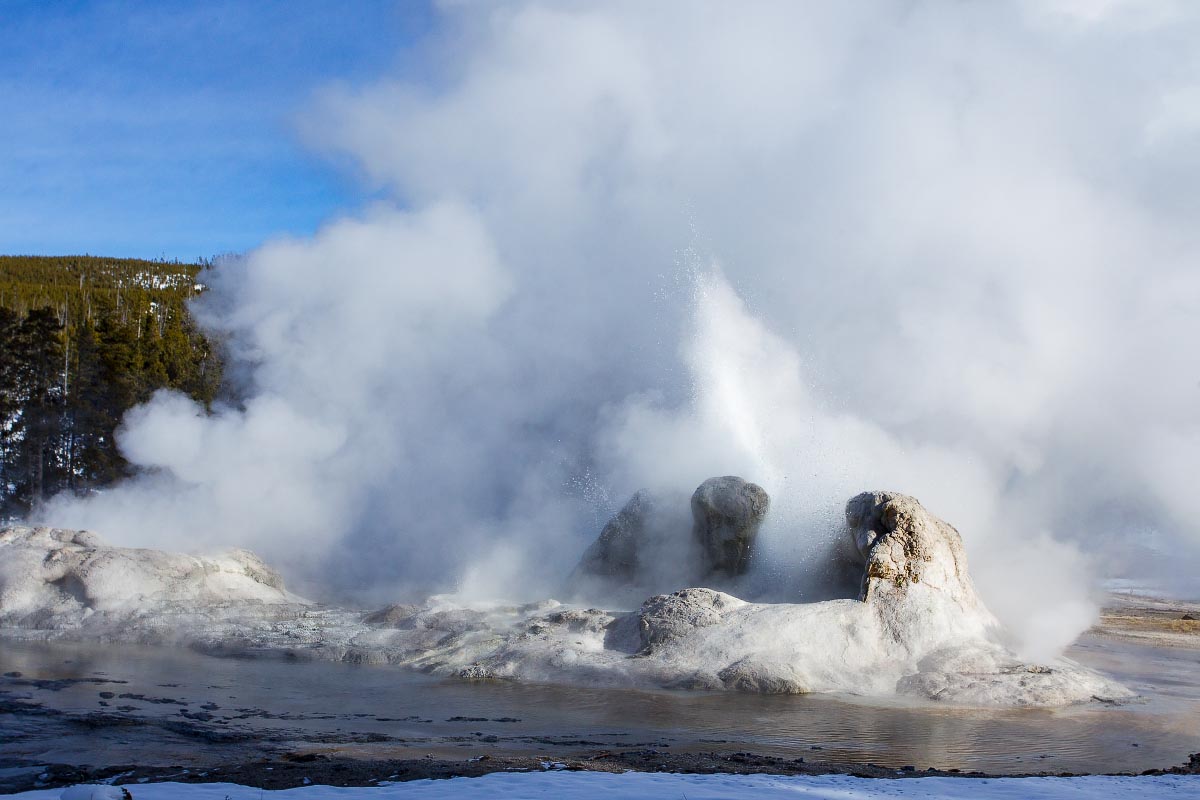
{"type": "Point", "coordinates": [294, 770]}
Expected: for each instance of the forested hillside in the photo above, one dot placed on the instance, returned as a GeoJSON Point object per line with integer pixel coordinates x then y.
{"type": "Point", "coordinates": [82, 339]}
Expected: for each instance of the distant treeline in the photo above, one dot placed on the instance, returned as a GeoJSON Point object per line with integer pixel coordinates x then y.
{"type": "Point", "coordinates": [82, 339]}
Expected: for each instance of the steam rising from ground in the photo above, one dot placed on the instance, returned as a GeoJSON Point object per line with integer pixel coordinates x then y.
{"type": "Point", "coordinates": [943, 249]}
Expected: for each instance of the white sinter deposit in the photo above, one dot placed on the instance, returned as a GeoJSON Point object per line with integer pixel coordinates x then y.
{"type": "Point", "coordinates": [917, 628]}
{"type": "Point", "coordinates": [71, 584]}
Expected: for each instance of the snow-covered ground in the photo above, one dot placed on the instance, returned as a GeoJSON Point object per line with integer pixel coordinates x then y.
{"type": "Point", "coordinates": [659, 786]}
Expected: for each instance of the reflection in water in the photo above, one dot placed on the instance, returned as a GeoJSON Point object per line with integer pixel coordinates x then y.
{"type": "Point", "coordinates": [199, 708]}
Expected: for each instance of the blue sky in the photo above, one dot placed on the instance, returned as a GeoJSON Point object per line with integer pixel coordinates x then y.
{"type": "Point", "coordinates": [166, 128]}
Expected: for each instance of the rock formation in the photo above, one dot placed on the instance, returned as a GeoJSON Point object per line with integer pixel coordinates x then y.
{"type": "Point", "coordinates": [647, 545]}
{"type": "Point", "coordinates": [914, 572]}
{"type": "Point", "coordinates": [667, 617]}
{"type": "Point", "coordinates": [727, 512]}
{"type": "Point", "coordinates": [52, 578]}
{"type": "Point", "coordinates": [619, 551]}
{"type": "Point", "coordinates": [917, 628]}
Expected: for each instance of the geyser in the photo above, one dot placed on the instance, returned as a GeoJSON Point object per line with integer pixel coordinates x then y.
{"type": "Point", "coordinates": [917, 627]}
{"type": "Point", "coordinates": [946, 248]}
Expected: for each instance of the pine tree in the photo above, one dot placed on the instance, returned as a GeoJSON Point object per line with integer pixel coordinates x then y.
{"type": "Point", "coordinates": [10, 405]}
{"type": "Point", "coordinates": [39, 353]}
{"type": "Point", "coordinates": [82, 340]}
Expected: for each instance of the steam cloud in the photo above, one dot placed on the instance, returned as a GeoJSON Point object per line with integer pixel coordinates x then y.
{"type": "Point", "coordinates": [945, 249]}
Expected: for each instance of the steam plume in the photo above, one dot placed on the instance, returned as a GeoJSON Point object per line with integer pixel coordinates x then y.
{"type": "Point", "coordinates": [957, 260]}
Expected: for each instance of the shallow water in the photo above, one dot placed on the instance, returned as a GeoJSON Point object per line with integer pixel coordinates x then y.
{"type": "Point", "coordinates": [196, 711]}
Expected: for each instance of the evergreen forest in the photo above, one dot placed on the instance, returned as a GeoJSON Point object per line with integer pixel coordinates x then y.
{"type": "Point", "coordinates": [83, 339]}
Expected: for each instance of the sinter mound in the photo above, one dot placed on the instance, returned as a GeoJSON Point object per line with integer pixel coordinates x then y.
{"type": "Point", "coordinates": [917, 628]}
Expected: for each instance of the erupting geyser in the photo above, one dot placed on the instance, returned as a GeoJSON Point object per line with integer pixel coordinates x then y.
{"type": "Point", "coordinates": [917, 626]}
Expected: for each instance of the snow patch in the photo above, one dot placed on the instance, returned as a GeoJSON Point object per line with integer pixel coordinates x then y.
{"type": "Point", "coordinates": [654, 786]}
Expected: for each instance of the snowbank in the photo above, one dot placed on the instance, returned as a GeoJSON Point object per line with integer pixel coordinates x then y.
{"type": "Point", "coordinates": [654, 786]}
